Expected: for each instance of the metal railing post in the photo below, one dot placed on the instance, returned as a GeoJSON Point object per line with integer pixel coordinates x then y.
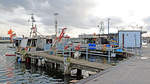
{"type": "Point", "coordinates": [86, 53]}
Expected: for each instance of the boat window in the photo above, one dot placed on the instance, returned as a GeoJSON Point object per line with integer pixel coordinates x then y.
{"type": "Point", "coordinates": [48, 41]}
{"type": "Point", "coordinates": [32, 42]}
{"type": "Point", "coordinates": [29, 42]}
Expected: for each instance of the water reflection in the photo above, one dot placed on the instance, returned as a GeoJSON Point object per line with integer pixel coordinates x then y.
{"type": "Point", "coordinates": [37, 75]}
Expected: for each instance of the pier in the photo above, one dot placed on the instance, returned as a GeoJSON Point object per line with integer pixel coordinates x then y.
{"type": "Point", "coordinates": [74, 63]}
{"type": "Point", "coordinates": [135, 70]}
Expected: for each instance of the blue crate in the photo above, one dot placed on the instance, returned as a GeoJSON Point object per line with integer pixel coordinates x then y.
{"type": "Point", "coordinates": [92, 59]}
{"type": "Point", "coordinates": [119, 50]}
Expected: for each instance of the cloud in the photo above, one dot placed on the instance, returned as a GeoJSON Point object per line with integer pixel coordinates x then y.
{"type": "Point", "coordinates": [115, 20]}
{"type": "Point", "coordinates": [18, 21]}
{"type": "Point", "coordinates": [71, 12]}
{"type": "Point", "coordinates": [74, 14]}
{"type": "Point", "coordinates": [9, 5]}
{"type": "Point", "coordinates": [146, 20]}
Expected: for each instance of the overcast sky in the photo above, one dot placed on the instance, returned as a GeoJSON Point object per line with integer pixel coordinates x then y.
{"type": "Point", "coordinates": [79, 16]}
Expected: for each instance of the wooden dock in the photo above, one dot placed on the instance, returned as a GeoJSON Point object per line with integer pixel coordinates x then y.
{"type": "Point", "coordinates": [4, 41]}
{"type": "Point", "coordinates": [75, 63]}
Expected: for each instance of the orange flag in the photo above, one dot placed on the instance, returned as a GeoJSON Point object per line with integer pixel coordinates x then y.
{"type": "Point", "coordinates": [10, 32]}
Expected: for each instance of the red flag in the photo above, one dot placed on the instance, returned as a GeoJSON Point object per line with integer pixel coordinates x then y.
{"type": "Point", "coordinates": [10, 32]}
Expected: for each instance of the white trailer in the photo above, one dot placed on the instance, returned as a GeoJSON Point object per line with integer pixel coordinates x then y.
{"type": "Point", "coordinates": [130, 39]}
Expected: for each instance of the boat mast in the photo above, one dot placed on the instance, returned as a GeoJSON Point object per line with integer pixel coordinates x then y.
{"type": "Point", "coordinates": [102, 27]}
{"type": "Point", "coordinates": [33, 32]}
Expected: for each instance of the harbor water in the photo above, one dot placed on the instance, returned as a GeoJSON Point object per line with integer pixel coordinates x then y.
{"type": "Point", "coordinates": [12, 72]}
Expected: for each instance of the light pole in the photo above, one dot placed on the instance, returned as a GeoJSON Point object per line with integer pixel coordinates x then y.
{"type": "Point", "coordinates": [108, 28]}
{"type": "Point", "coordinates": [108, 25]}
{"type": "Point", "coordinates": [55, 14]}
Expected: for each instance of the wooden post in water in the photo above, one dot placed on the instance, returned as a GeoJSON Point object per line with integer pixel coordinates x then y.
{"type": "Point", "coordinates": [79, 74]}
{"type": "Point", "coordinates": [67, 70]}
{"type": "Point", "coordinates": [57, 66]}
{"type": "Point", "coordinates": [53, 65]}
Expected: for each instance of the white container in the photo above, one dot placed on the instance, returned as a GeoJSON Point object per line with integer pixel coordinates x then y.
{"type": "Point", "coordinates": [130, 39]}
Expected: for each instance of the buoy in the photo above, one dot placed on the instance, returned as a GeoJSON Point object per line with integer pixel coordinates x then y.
{"type": "Point", "coordinates": [10, 54]}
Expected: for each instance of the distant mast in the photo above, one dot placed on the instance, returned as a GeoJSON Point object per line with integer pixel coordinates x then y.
{"type": "Point", "coordinates": [33, 32]}
{"type": "Point", "coordinates": [101, 27]}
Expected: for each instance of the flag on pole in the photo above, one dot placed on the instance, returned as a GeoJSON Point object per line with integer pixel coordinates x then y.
{"type": "Point", "coordinates": [10, 32]}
